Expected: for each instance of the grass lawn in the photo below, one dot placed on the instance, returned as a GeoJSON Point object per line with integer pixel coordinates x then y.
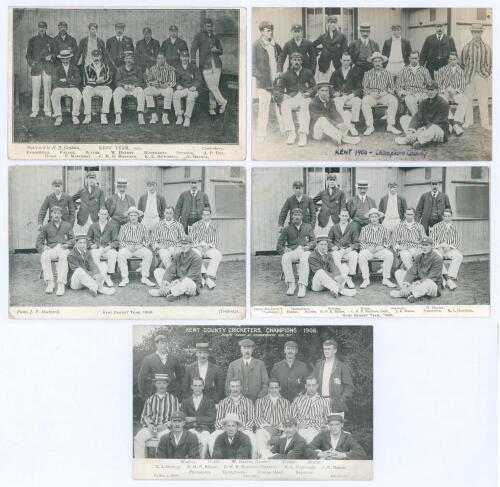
{"type": "Point", "coordinates": [473, 145]}
{"type": "Point", "coordinates": [269, 290]}
{"type": "Point", "coordinates": [27, 289]}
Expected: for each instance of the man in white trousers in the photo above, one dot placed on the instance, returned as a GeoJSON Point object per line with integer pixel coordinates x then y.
{"type": "Point", "coordinates": [166, 237]}
{"type": "Point", "coordinates": [407, 238]}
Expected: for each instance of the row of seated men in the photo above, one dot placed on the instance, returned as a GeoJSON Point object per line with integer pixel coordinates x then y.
{"type": "Point", "coordinates": [172, 241]}
{"type": "Point", "coordinates": [113, 71]}
{"type": "Point", "coordinates": [413, 242]}
{"type": "Point", "coordinates": [420, 84]}
{"type": "Point", "coordinates": [195, 413]}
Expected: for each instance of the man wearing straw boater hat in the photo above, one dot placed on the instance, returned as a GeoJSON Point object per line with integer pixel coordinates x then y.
{"type": "Point", "coordinates": [362, 48]}
{"type": "Point", "coordinates": [64, 41]}
{"type": "Point", "coordinates": [134, 242]}
{"type": "Point", "coordinates": [359, 205]}
{"type": "Point", "coordinates": [120, 202]}
{"type": "Point", "coordinates": [156, 415]}
{"type": "Point", "coordinates": [66, 81]}
{"type": "Point", "coordinates": [378, 88]}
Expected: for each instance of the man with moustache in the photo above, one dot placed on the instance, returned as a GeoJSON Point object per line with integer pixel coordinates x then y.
{"type": "Point", "coordinates": [119, 203]}
{"type": "Point", "coordinates": [329, 202]}
{"type": "Point", "coordinates": [431, 206]}
{"type": "Point", "coordinates": [359, 205]}
{"type": "Point", "coordinates": [146, 50]}
{"type": "Point", "coordinates": [172, 47]}
{"type": "Point", "coordinates": [190, 205]}
{"type": "Point", "coordinates": [362, 48]}
{"type": "Point", "coordinates": [63, 41]}
{"type": "Point", "coordinates": [118, 45]}
{"type": "Point", "coordinates": [91, 199]}
{"type": "Point", "coordinates": [436, 49]}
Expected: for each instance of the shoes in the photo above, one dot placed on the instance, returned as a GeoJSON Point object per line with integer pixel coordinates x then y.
{"type": "Point", "coordinates": [222, 108]}
{"type": "Point", "coordinates": [393, 130]}
{"type": "Point", "coordinates": [140, 119]}
{"type": "Point", "coordinates": [118, 119]}
{"type": "Point", "coordinates": [148, 282]}
{"type": "Point", "coordinates": [395, 294]}
{"type": "Point", "coordinates": [60, 289]}
{"type": "Point", "coordinates": [417, 145]}
{"type": "Point", "coordinates": [457, 129]}
{"type": "Point", "coordinates": [291, 138]}
{"type": "Point", "coordinates": [108, 281]}
{"type": "Point", "coordinates": [34, 114]}
{"type": "Point", "coordinates": [187, 122]}
{"type": "Point", "coordinates": [347, 139]}
{"type": "Point", "coordinates": [212, 112]}
{"type": "Point", "coordinates": [302, 139]}
{"type": "Point", "coordinates": [365, 284]}
{"type": "Point", "coordinates": [369, 130]}
{"type": "Point", "coordinates": [388, 283]}
{"type": "Point", "coordinates": [108, 291]}
{"type": "Point", "coordinates": [291, 289]}
{"type": "Point", "coordinates": [87, 120]}
{"type": "Point", "coordinates": [334, 294]}
{"type": "Point", "coordinates": [452, 285]}
{"type": "Point", "coordinates": [154, 118]}
{"type": "Point", "coordinates": [123, 282]}
{"type": "Point", "coordinates": [171, 298]}
{"type": "Point", "coordinates": [58, 121]}
{"type": "Point", "coordinates": [48, 114]}
{"type": "Point", "coordinates": [104, 119]}
{"type": "Point", "coordinates": [50, 287]}
{"type": "Point", "coordinates": [411, 298]}
{"type": "Point", "coordinates": [75, 120]}
{"type": "Point", "coordinates": [348, 292]}
{"type": "Point", "coordinates": [179, 120]}
{"type": "Point", "coordinates": [349, 282]}
{"type": "Point", "coordinates": [353, 131]}
{"type": "Point", "coordinates": [302, 291]}
{"type": "Point", "coordinates": [164, 119]}
{"type": "Point", "coordinates": [155, 293]}
{"type": "Point", "coordinates": [210, 283]}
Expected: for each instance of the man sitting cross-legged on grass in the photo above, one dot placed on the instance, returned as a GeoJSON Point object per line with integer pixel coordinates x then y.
{"type": "Point", "coordinates": [324, 273]}
{"type": "Point", "coordinates": [83, 272]}
{"type": "Point", "coordinates": [182, 277]}
{"type": "Point", "coordinates": [424, 276]}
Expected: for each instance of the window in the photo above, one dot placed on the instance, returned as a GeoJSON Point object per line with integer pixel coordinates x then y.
{"type": "Point", "coordinates": [235, 172]}
{"type": "Point", "coordinates": [476, 172]}
{"type": "Point", "coordinates": [428, 173]}
{"type": "Point", "coordinates": [472, 201]}
{"type": "Point", "coordinates": [481, 14]}
{"type": "Point", "coordinates": [187, 172]}
{"type": "Point", "coordinates": [332, 11]}
{"type": "Point", "coordinates": [230, 200]}
{"type": "Point", "coordinates": [432, 14]}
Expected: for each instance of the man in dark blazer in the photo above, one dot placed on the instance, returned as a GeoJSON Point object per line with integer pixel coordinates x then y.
{"type": "Point", "coordinates": [172, 47]}
{"type": "Point", "coordinates": [431, 206]}
{"type": "Point", "coordinates": [146, 50]}
{"type": "Point", "coordinates": [84, 56]}
{"type": "Point", "coordinates": [61, 200]}
{"type": "Point", "coordinates": [155, 214]}
{"type": "Point", "coordinates": [200, 414]}
{"type": "Point", "coordinates": [361, 49]}
{"type": "Point", "coordinates": [332, 200]}
{"type": "Point", "coordinates": [291, 446]}
{"type": "Point", "coordinates": [118, 45]}
{"type": "Point", "coordinates": [178, 443]}
{"type": "Point", "coordinates": [334, 378]}
{"type": "Point", "coordinates": [91, 199]}
{"type": "Point", "coordinates": [119, 203]}
{"type": "Point", "coordinates": [189, 206]}
{"type": "Point", "coordinates": [333, 44]}
{"type": "Point", "coordinates": [335, 443]}
{"type": "Point", "coordinates": [359, 205]}
{"type": "Point", "coordinates": [249, 370]}
{"type": "Point", "coordinates": [210, 373]}
{"type": "Point", "coordinates": [298, 44]}
{"type": "Point", "coordinates": [64, 41]}
{"type": "Point", "coordinates": [436, 49]}
{"type": "Point", "coordinates": [232, 443]}
{"type": "Point", "coordinates": [400, 58]}
{"type": "Point", "coordinates": [396, 214]}
{"type": "Point", "coordinates": [160, 362]}
{"type": "Point", "coordinates": [298, 200]}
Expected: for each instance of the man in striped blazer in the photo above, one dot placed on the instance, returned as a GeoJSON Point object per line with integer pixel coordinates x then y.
{"type": "Point", "coordinates": [451, 81]}
{"type": "Point", "coordinates": [378, 88]}
{"type": "Point", "coordinates": [103, 242]}
{"type": "Point", "coordinates": [375, 241]}
{"type": "Point", "coordinates": [447, 245]}
{"type": "Point", "coordinates": [134, 242]}
{"type": "Point", "coordinates": [206, 243]}
{"type": "Point", "coordinates": [156, 415]}
{"type": "Point", "coordinates": [270, 413]}
{"type": "Point", "coordinates": [407, 238]}
{"type": "Point", "coordinates": [166, 237]}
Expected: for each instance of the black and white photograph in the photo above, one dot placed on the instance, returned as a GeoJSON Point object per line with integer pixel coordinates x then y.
{"type": "Point", "coordinates": [157, 80]}
{"type": "Point", "coordinates": [338, 83]}
{"type": "Point", "coordinates": [253, 402]}
{"type": "Point", "coordinates": [168, 240]}
{"type": "Point", "coordinates": [364, 238]}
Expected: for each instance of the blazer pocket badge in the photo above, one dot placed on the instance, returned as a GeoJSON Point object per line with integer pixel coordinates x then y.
{"type": "Point", "coordinates": [337, 381]}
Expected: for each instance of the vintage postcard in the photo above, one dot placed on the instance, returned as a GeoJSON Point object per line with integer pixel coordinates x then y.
{"type": "Point", "coordinates": [363, 241]}
{"type": "Point", "coordinates": [253, 402]}
{"type": "Point", "coordinates": [123, 242]}
{"type": "Point", "coordinates": [134, 83]}
{"type": "Point", "coordinates": [410, 84]}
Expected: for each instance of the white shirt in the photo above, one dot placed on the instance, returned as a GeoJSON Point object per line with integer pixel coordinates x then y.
{"type": "Point", "coordinates": [66, 69]}
{"type": "Point", "coordinates": [273, 65]}
{"type": "Point", "coordinates": [273, 399]}
{"type": "Point", "coordinates": [163, 358]}
{"type": "Point", "coordinates": [345, 72]}
{"type": "Point", "coordinates": [299, 198]}
{"type": "Point", "coordinates": [197, 401]}
{"type": "Point", "coordinates": [102, 226]}
{"type": "Point", "coordinates": [396, 56]}
{"type": "Point", "coordinates": [334, 441]}
{"type": "Point", "coordinates": [343, 226]}
{"type": "Point", "coordinates": [202, 369]}
{"type": "Point", "coordinates": [327, 372]}
{"type": "Point", "coordinates": [151, 210]}
{"type": "Point", "coordinates": [391, 212]}
{"type": "Point", "coordinates": [91, 46]}
{"type": "Point", "coordinates": [177, 438]}
{"type": "Point", "coordinates": [287, 442]}
{"type": "Point", "coordinates": [247, 362]}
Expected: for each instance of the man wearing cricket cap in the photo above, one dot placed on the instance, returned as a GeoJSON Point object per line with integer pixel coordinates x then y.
{"type": "Point", "coordinates": [298, 44]}
{"type": "Point", "coordinates": [330, 202]}
{"type": "Point", "coordinates": [291, 445]}
{"type": "Point", "coordinates": [333, 45]}
{"type": "Point", "coordinates": [172, 46]}
{"type": "Point", "coordinates": [298, 200]}
{"type": "Point", "coordinates": [178, 443]}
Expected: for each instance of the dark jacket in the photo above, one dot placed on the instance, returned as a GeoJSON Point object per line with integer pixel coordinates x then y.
{"type": "Point", "coordinates": [307, 50]}
{"type": "Point", "coordinates": [152, 365]}
{"type": "Point", "coordinates": [424, 207]}
{"type": "Point", "coordinates": [261, 70]}
{"type": "Point", "coordinates": [91, 76]}
{"type": "Point", "coordinates": [346, 444]}
{"type": "Point", "coordinates": [205, 414]}
{"type": "Point", "coordinates": [161, 204]}
{"type": "Point", "coordinates": [353, 83]}
{"type": "Point", "coordinates": [82, 51]}
{"type": "Point", "coordinates": [77, 260]}
{"type": "Point", "coordinates": [341, 384]}
{"type": "Point", "coordinates": [355, 50]}
{"type": "Point", "coordinates": [102, 239]}
{"type": "Point", "coordinates": [332, 50]}
{"type": "Point", "coordinates": [291, 237]}
{"type": "Point", "coordinates": [50, 235]}
{"type": "Point", "coordinates": [405, 49]}
{"type": "Point", "coordinates": [60, 80]}
{"type": "Point", "coordinates": [290, 83]}
{"type": "Point", "coordinates": [330, 205]}
{"type": "Point", "coordinates": [296, 450]}
{"type": "Point", "coordinates": [352, 206]}
{"type": "Point", "coordinates": [111, 206]}
{"type": "Point", "coordinates": [214, 381]}
{"type": "Point", "coordinates": [90, 204]}
{"type": "Point", "coordinates": [39, 47]}
{"type": "Point", "coordinates": [401, 205]}
{"type": "Point", "coordinates": [66, 204]}
{"type": "Point", "coordinates": [183, 206]}
{"type": "Point", "coordinates": [173, 51]}
{"type": "Point", "coordinates": [205, 43]}
{"type": "Point", "coordinates": [431, 112]}
{"type": "Point", "coordinates": [434, 54]}
{"type": "Point", "coordinates": [426, 266]}
{"type": "Point", "coordinates": [185, 265]}
{"type": "Point", "coordinates": [318, 109]}
{"type": "Point", "coordinates": [306, 204]}
{"type": "Point", "coordinates": [116, 50]}
{"type": "Point", "coordinates": [350, 237]}
{"type": "Point", "coordinates": [145, 53]}
{"type": "Point", "coordinates": [292, 380]}
{"type": "Point", "coordinates": [239, 448]}
{"type": "Point", "coordinates": [133, 76]}
{"type": "Point", "coordinates": [317, 262]}
{"type": "Point", "coordinates": [68, 42]}
{"type": "Point", "coordinates": [188, 446]}
{"type": "Point", "coordinates": [257, 378]}
{"type": "Point", "coordinates": [188, 77]}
